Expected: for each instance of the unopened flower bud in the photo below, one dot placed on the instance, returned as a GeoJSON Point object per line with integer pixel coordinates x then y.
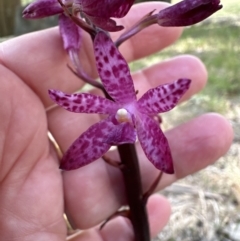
{"type": "Point", "coordinates": [42, 8]}
{"type": "Point", "coordinates": [187, 12]}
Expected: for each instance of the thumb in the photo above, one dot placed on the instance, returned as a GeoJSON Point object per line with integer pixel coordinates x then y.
{"type": "Point", "coordinates": [31, 198]}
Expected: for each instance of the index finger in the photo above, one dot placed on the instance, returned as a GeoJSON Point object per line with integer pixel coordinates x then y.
{"type": "Point", "coordinates": [41, 62]}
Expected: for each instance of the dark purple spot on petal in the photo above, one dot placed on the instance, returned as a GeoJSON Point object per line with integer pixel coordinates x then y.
{"type": "Point", "coordinates": [85, 144]}
{"type": "Point", "coordinates": [71, 160]}
{"type": "Point", "coordinates": [112, 51]}
{"type": "Point", "coordinates": [107, 73]}
{"type": "Point", "coordinates": [100, 65]}
{"type": "Point", "coordinates": [115, 71]}
{"type": "Point", "coordinates": [74, 108]}
{"type": "Point", "coordinates": [156, 105]}
{"type": "Point", "coordinates": [172, 86]}
{"type": "Point", "coordinates": [63, 98]}
{"type": "Point", "coordinates": [164, 90]}
{"type": "Point", "coordinates": [179, 92]}
{"type": "Point", "coordinates": [122, 80]}
{"type": "Point", "coordinates": [77, 101]}
{"type": "Point", "coordinates": [106, 59]}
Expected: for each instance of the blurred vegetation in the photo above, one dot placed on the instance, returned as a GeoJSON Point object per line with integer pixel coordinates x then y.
{"type": "Point", "coordinates": [8, 10]}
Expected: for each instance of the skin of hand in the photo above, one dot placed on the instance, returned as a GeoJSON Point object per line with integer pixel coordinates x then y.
{"type": "Point", "coordinates": [34, 193]}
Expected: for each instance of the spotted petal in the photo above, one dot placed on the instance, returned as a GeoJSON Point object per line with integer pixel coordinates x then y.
{"type": "Point", "coordinates": [154, 144]}
{"type": "Point", "coordinates": [113, 70]}
{"type": "Point", "coordinates": [96, 141]}
{"type": "Point", "coordinates": [163, 98]}
{"type": "Point", "coordinates": [83, 102]}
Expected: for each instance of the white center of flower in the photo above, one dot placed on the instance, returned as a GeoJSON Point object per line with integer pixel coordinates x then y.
{"type": "Point", "coordinates": [122, 115]}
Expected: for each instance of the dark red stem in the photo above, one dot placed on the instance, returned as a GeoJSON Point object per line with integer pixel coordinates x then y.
{"type": "Point", "coordinates": [134, 192]}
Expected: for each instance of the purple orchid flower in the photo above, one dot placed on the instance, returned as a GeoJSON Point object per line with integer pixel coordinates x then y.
{"type": "Point", "coordinates": [126, 116]}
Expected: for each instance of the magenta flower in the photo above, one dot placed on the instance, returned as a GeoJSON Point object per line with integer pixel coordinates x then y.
{"type": "Point", "coordinates": [126, 116]}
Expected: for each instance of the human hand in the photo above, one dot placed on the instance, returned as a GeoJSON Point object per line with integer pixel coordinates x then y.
{"type": "Point", "coordinates": [33, 189]}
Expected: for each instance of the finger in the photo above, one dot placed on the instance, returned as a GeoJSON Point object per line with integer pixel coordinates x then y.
{"type": "Point", "coordinates": [194, 145]}
{"type": "Point", "coordinates": [120, 228]}
{"type": "Point", "coordinates": [45, 66]}
{"type": "Point", "coordinates": [19, 110]}
{"type": "Point", "coordinates": [29, 176]}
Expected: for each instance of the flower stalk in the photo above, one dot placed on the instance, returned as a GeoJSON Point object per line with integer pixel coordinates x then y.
{"type": "Point", "coordinates": [133, 187]}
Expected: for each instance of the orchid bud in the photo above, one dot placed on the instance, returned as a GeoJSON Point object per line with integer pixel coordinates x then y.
{"type": "Point", "coordinates": [42, 8]}
{"type": "Point", "coordinates": [187, 12]}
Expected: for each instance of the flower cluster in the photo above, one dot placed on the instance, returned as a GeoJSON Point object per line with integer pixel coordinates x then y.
{"type": "Point", "coordinates": [127, 118]}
